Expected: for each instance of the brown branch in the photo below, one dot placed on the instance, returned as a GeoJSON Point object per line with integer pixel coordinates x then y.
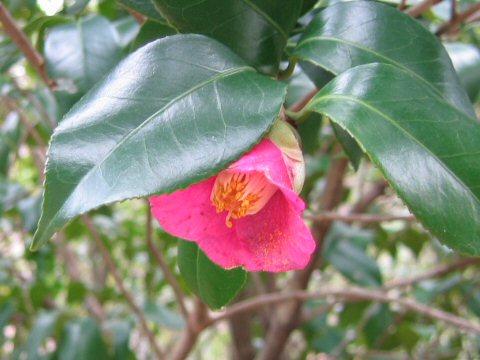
{"type": "Point", "coordinates": [304, 101]}
{"type": "Point", "coordinates": [438, 272]}
{"type": "Point", "coordinates": [347, 295]}
{"type": "Point", "coordinates": [112, 268]}
{"type": "Point", "coordinates": [458, 19]}
{"type": "Point", "coordinates": [286, 316]}
{"type": "Point", "coordinates": [419, 9]}
{"type": "Point", "coordinates": [21, 40]}
{"type": "Point", "coordinates": [166, 271]}
{"type": "Point", "coordinates": [188, 339]}
{"type": "Point", "coordinates": [363, 218]}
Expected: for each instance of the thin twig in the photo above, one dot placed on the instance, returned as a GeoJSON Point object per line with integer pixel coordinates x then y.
{"type": "Point", "coordinates": [363, 218]}
{"type": "Point", "coordinates": [166, 270]}
{"type": "Point", "coordinates": [112, 268]}
{"type": "Point", "coordinates": [347, 295]}
{"type": "Point", "coordinates": [458, 19]}
{"type": "Point", "coordinates": [188, 339]}
{"type": "Point", "coordinates": [438, 272]}
{"type": "Point", "coordinates": [14, 106]}
{"type": "Point", "coordinates": [19, 38]}
{"type": "Point", "coordinates": [419, 9]}
{"type": "Point", "coordinates": [304, 101]}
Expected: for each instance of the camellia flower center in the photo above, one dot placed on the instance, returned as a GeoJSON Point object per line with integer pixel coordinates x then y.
{"type": "Point", "coordinates": [241, 194]}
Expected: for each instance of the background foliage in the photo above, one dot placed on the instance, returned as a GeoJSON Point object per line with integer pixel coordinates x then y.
{"type": "Point", "coordinates": [112, 285]}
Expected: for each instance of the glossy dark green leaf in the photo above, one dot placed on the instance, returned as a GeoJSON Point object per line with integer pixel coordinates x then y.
{"type": "Point", "coordinates": [426, 148]}
{"type": "Point", "coordinates": [466, 60]}
{"type": "Point", "coordinates": [337, 41]}
{"type": "Point", "coordinates": [214, 285]}
{"type": "Point", "coordinates": [350, 146]}
{"type": "Point", "coordinates": [257, 30]}
{"type": "Point", "coordinates": [173, 113]}
{"type": "Point", "coordinates": [378, 319]}
{"type": "Point", "coordinates": [82, 340]}
{"type": "Point", "coordinates": [76, 52]}
{"type": "Point", "coordinates": [121, 330]}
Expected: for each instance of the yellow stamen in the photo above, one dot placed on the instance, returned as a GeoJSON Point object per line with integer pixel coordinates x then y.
{"type": "Point", "coordinates": [241, 194]}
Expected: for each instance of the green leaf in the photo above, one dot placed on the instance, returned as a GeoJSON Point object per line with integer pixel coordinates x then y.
{"type": "Point", "coordinates": [171, 114]}
{"type": "Point", "coordinates": [426, 148]}
{"type": "Point", "coordinates": [82, 340]}
{"type": "Point", "coordinates": [350, 259]}
{"type": "Point", "coordinates": [77, 52]}
{"type": "Point", "coordinates": [152, 30]}
{"type": "Point", "coordinates": [43, 328]}
{"type": "Point", "coordinates": [257, 30]}
{"type": "Point", "coordinates": [127, 29]}
{"type": "Point", "coordinates": [466, 60]}
{"type": "Point", "coordinates": [214, 285]}
{"type": "Point", "coordinates": [9, 54]}
{"type": "Point", "coordinates": [10, 132]}
{"type": "Point", "coordinates": [162, 316]}
{"type": "Point", "coordinates": [337, 41]}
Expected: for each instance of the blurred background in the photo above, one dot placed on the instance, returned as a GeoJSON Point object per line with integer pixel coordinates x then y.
{"type": "Point", "coordinates": [99, 290]}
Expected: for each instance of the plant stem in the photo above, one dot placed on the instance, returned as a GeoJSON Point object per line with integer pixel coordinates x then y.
{"type": "Point", "coordinates": [112, 268]}
{"type": "Point", "coordinates": [19, 38]}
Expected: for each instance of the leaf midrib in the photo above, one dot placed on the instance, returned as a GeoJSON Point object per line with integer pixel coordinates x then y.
{"type": "Point", "coordinates": [390, 61]}
{"type": "Point", "coordinates": [407, 134]}
{"type": "Point", "coordinates": [144, 123]}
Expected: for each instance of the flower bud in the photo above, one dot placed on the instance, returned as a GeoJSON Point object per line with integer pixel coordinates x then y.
{"type": "Point", "coordinates": [288, 140]}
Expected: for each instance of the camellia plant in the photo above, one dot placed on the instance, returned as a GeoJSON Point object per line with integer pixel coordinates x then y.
{"type": "Point", "coordinates": [297, 155]}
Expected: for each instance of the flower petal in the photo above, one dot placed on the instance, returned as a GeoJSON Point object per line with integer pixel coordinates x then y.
{"type": "Point", "coordinates": [190, 215]}
{"type": "Point", "coordinates": [276, 238]}
{"type": "Point", "coordinates": [266, 157]}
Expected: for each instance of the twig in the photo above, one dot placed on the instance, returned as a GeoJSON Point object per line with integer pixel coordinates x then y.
{"type": "Point", "coordinates": [348, 295]}
{"type": "Point", "coordinates": [19, 38]}
{"type": "Point", "coordinates": [166, 270]}
{"type": "Point", "coordinates": [363, 218]}
{"type": "Point", "coordinates": [189, 337]}
{"type": "Point", "coordinates": [458, 19]}
{"type": "Point", "coordinates": [121, 287]}
{"type": "Point", "coordinates": [286, 316]}
{"type": "Point", "coordinates": [438, 272]}
{"type": "Point", "coordinates": [419, 9]}
{"type": "Point", "coordinates": [13, 106]}
{"type": "Point", "coordinates": [304, 101]}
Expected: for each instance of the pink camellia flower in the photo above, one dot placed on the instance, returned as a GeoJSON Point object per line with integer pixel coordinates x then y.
{"type": "Point", "coordinates": [248, 215]}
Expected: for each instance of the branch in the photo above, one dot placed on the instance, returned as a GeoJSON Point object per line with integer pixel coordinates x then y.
{"type": "Point", "coordinates": [363, 218]}
{"type": "Point", "coordinates": [166, 271]}
{"type": "Point", "coordinates": [121, 287]}
{"type": "Point", "coordinates": [417, 10]}
{"type": "Point", "coordinates": [458, 19]}
{"type": "Point", "coordinates": [347, 295]}
{"type": "Point", "coordinates": [286, 317]}
{"type": "Point", "coordinates": [19, 38]}
{"type": "Point", "coordinates": [189, 337]}
{"type": "Point", "coordinates": [438, 272]}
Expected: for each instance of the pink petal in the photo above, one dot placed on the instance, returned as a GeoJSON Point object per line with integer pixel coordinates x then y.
{"type": "Point", "coordinates": [190, 215]}
{"type": "Point", "coordinates": [276, 238]}
{"type": "Point", "coordinates": [268, 158]}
